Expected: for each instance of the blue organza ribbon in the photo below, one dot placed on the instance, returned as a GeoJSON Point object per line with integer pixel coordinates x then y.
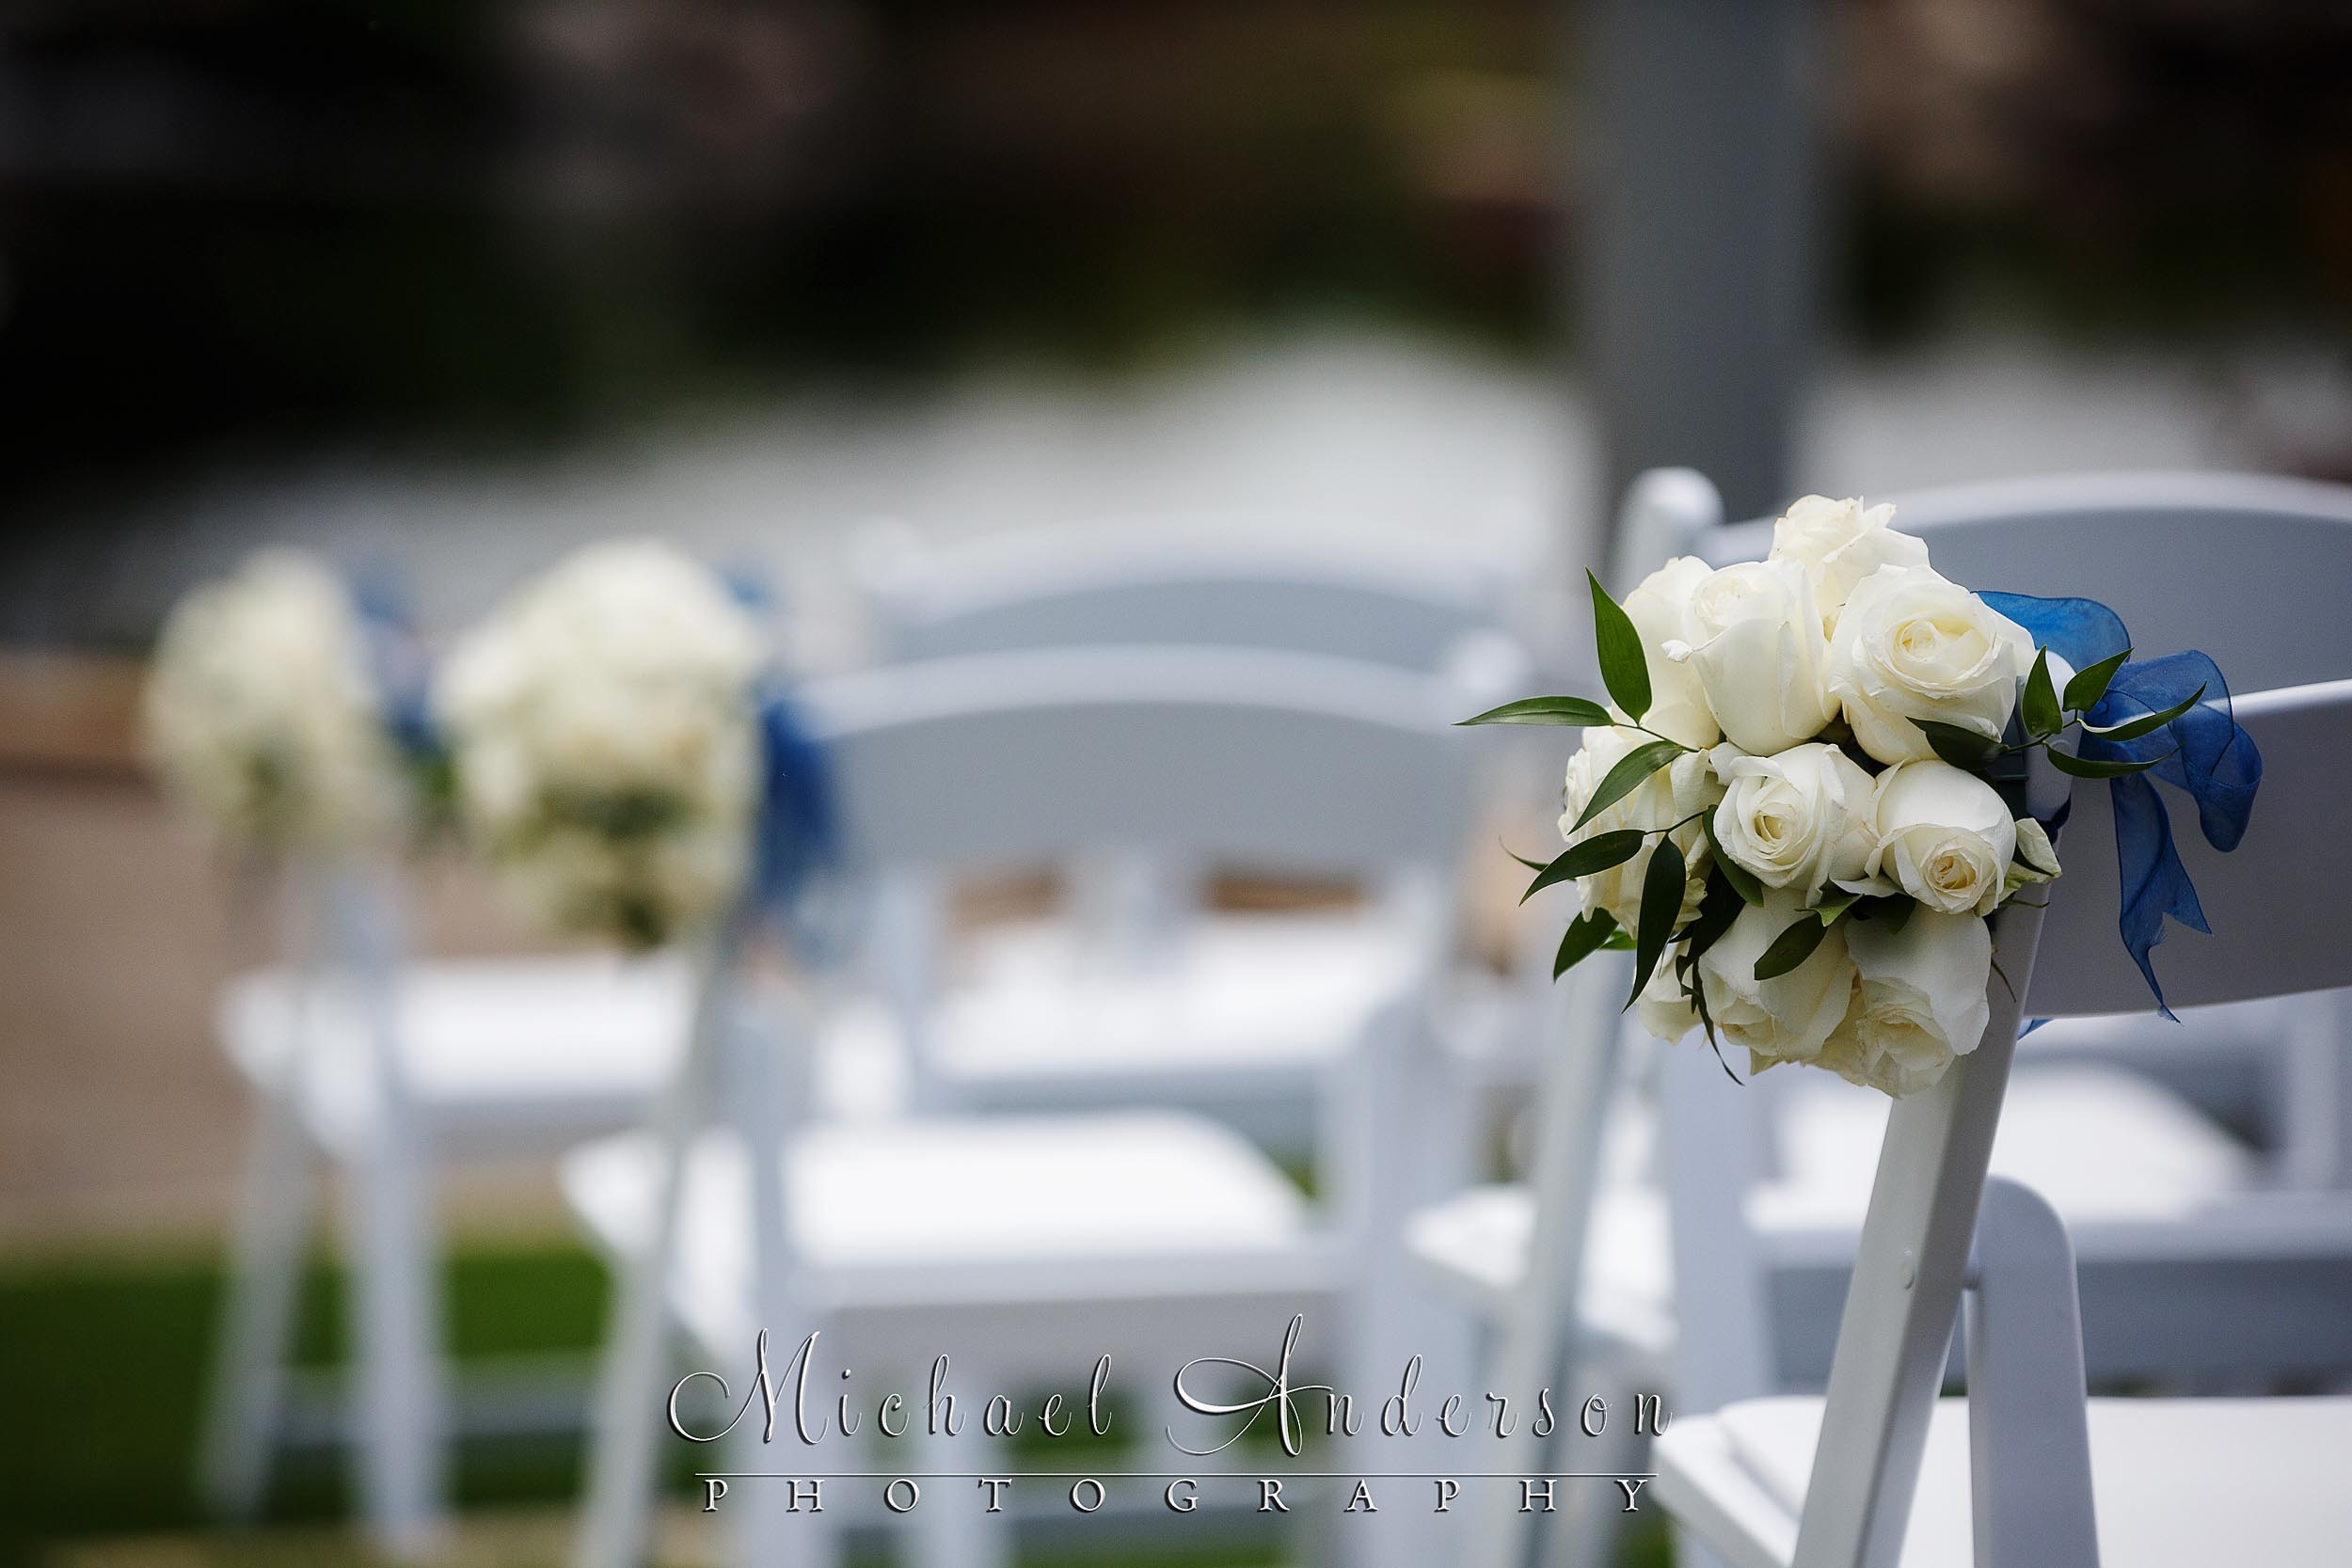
{"type": "Point", "coordinates": [2205, 753]}
{"type": "Point", "coordinates": [397, 663]}
{"type": "Point", "coordinates": [798, 836]}
{"type": "Point", "coordinates": [798, 840]}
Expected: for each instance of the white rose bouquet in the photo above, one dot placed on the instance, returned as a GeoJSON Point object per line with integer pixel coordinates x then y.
{"type": "Point", "coordinates": [264, 717]}
{"type": "Point", "coordinates": [1788, 810]}
{"type": "Point", "coordinates": [607, 737]}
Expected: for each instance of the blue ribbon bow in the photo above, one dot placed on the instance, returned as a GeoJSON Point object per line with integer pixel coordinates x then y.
{"type": "Point", "coordinates": [798, 838]}
{"type": "Point", "coordinates": [2205, 752]}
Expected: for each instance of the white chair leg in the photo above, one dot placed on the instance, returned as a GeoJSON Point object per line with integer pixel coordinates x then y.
{"type": "Point", "coordinates": [2029, 1432]}
{"type": "Point", "coordinates": [395, 1346]}
{"type": "Point", "coordinates": [951, 1527]}
{"type": "Point", "coordinates": [774, 1522]}
{"type": "Point", "coordinates": [616, 1521]}
{"type": "Point", "coordinates": [257, 1320]}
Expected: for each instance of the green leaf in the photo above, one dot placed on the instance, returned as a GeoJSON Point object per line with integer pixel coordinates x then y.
{"type": "Point", "coordinates": [2099, 768]}
{"type": "Point", "coordinates": [1531, 865]}
{"type": "Point", "coordinates": [1662, 906]}
{"type": "Point", "coordinates": [2090, 682]}
{"type": "Point", "coordinates": [1586, 935]}
{"type": "Point", "coordinates": [2148, 724]}
{"type": "Point", "coordinates": [1624, 668]}
{"type": "Point", "coordinates": [1830, 908]}
{"type": "Point", "coordinates": [1791, 948]}
{"type": "Point", "coordinates": [1622, 780]}
{"type": "Point", "coordinates": [1894, 914]}
{"type": "Point", "coordinates": [1598, 853]}
{"type": "Point", "coordinates": [1961, 748]}
{"type": "Point", "coordinates": [2039, 706]}
{"type": "Point", "coordinates": [1619, 943]}
{"type": "Point", "coordinates": [1545, 710]}
{"type": "Point", "coordinates": [1718, 907]}
{"type": "Point", "coordinates": [1743, 881]}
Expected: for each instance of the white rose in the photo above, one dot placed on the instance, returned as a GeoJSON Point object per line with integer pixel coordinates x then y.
{"type": "Point", "coordinates": [1788, 1017]}
{"type": "Point", "coordinates": [1682, 788]}
{"type": "Point", "coordinates": [1659, 609]}
{"type": "Point", "coordinates": [1838, 542]}
{"type": "Point", "coordinates": [1912, 644]}
{"type": "Point", "coordinates": [1755, 638]}
{"type": "Point", "coordinates": [1662, 1008]}
{"type": "Point", "coordinates": [1919, 1001]}
{"type": "Point", "coordinates": [1799, 820]}
{"type": "Point", "coordinates": [1944, 837]}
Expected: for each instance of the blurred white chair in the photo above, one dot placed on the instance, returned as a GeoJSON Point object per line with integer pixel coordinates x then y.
{"type": "Point", "coordinates": [1016, 1241]}
{"type": "Point", "coordinates": [2196, 1267]}
{"type": "Point", "coordinates": [1382, 594]}
{"type": "Point", "coordinates": [1224, 1013]}
{"type": "Point", "coordinates": [2023, 1472]}
{"type": "Point", "coordinates": [385, 1070]}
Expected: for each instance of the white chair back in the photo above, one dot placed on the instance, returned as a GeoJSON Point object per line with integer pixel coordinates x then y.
{"type": "Point", "coordinates": [1376, 595]}
{"type": "Point", "coordinates": [1291, 762]}
{"type": "Point", "coordinates": [2248, 568]}
{"type": "Point", "coordinates": [1198, 758]}
{"type": "Point", "coordinates": [2273, 904]}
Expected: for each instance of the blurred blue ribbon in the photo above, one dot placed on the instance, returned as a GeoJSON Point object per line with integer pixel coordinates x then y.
{"type": "Point", "coordinates": [397, 663]}
{"type": "Point", "coordinates": [2205, 752]}
{"type": "Point", "coordinates": [799, 835]}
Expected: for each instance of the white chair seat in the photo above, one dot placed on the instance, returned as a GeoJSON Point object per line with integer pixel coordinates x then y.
{"type": "Point", "coordinates": [939, 1212]}
{"type": "Point", "coordinates": [2102, 1144]}
{"type": "Point", "coordinates": [1472, 1248]}
{"type": "Point", "coordinates": [516, 1054]}
{"type": "Point", "coordinates": [2175, 1481]}
{"type": "Point", "coordinates": [2099, 1143]}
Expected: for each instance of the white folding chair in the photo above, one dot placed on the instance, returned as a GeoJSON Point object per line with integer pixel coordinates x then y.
{"type": "Point", "coordinates": [385, 1071]}
{"type": "Point", "coordinates": [1138, 939]}
{"type": "Point", "coordinates": [1009, 1240]}
{"type": "Point", "coordinates": [2023, 1472]}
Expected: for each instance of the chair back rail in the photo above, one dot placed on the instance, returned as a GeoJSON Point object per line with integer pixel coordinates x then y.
{"type": "Point", "coordinates": [2246, 567]}
{"type": "Point", "coordinates": [1230, 579]}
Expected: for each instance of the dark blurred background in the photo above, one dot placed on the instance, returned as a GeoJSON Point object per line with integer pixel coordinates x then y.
{"type": "Point", "coordinates": [250, 230]}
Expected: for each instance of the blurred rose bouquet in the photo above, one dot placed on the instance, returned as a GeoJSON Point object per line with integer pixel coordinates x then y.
{"type": "Point", "coordinates": [1788, 810]}
{"type": "Point", "coordinates": [265, 720]}
{"type": "Point", "coordinates": [607, 737]}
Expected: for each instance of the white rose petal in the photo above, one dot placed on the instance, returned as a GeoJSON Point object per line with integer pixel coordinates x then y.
{"type": "Point", "coordinates": [1682, 789]}
{"type": "Point", "coordinates": [2035, 858]}
{"type": "Point", "coordinates": [1790, 1017]}
{"type": "Point", "coordinates": [1659, 609]}
{"type": "Point", "coordinates": [1944, 836]}
{"type": "Point", "coordinates": [1756, 642]}
{"type": "Point", "coordinates": [1838, 542]}
{"type": "Point", "coordinates": [1920, 1000]}
{"type": "Point", "coordinates": [1912, 644]}
{"type": "Point", "coordinates": [1662, 1008]}
{"type": "Point", "coordinates": [1799, 820]}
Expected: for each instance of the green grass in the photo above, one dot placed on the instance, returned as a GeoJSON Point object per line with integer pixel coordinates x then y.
{"type": "Point", "coordinates": [103, 1365]}
{"type": "Point", "coordinates": [103, 1370]}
